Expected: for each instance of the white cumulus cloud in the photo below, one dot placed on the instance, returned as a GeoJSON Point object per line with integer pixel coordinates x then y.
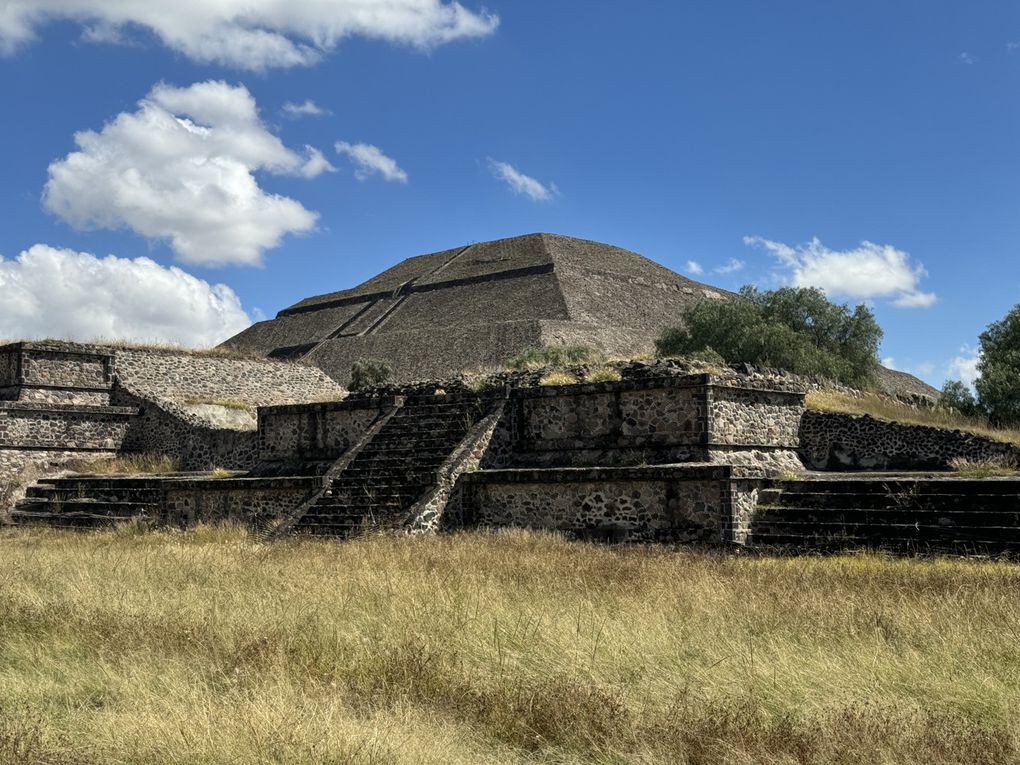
{"type": "Point", "coordinates": [181, 168]}
{"type": "Point", "coordinates": [520, 183]}
{"type": "Point", "coordinates": [307, 109]}
{"type": "Point", "coordinates": [964, 367]}
{"type": "Point", "coordinates": [869, 271]}
{"type": "Point", "coordinates": [250, 34]}
{"type": "Point", "coordinates": [694, 267]}
{"type": "Point", "coordinates": [369, 160]}
{"type": "Point", "coordinates": [50, 292]}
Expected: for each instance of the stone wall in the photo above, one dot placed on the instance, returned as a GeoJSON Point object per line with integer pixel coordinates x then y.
{"type": "Point", "coordinates": [64, 373]}
{"type": "Point", "coordinates": [201, 409]}
{"type": "Point", "coordinates": [254, 502]}
{"type": "Point", "coordinates": [678, 503]}
{"type": "Point", "coordinates": [652, 421]}
{"type": "Point", "coordinates": [30, 425]}
{"type": "Point", "coordinates": [316, 432]}
{"type": "Point", "coordinates": [830, 441]}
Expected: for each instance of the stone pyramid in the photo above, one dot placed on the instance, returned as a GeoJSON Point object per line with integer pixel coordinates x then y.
{"type": "Point", "coordinates": [479, 305]}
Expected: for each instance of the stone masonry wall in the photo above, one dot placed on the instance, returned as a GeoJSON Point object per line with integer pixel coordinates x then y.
{"type": "Point", "coordinates": [758, 417]}
{"type": "Point", "coordinates": [831, 441]}
{"type": "Point", "coordinates": [315, 431]}
{"type": "Point", "coordinates": [653, 421]}
{"type": "Point", "coordinates": [55, 373]}
{"type": "Point", "coordinates": [45, 426]}
{"type": "Point", "coordinates": [664, 504]}
{"type": "Point", "coordinates": [177, 394]}
{"type": "Point", "coordinates": [253, 502]}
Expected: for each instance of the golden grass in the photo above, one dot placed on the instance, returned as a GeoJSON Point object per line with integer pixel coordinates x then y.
{"type": "Point", "coordinates": [602, 373]}
{"type": "Point", "coordinates": [129, 464]}
{"type": "Point", "coordinates": [885, 408]}
{"type": "Point", "coordinates": [209, 647]}
{"type": "Point", "coordinates": [558, 377]}
{"type": "Point", "coordinates": [986, 467]}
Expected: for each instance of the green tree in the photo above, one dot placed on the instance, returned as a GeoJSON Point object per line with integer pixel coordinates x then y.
{"type": "Point", "coordinates": [957, 396]}
{"type": "Point", "coordinates": [998, 386]}
{"type": "Point", "coordinates": [797, 329]}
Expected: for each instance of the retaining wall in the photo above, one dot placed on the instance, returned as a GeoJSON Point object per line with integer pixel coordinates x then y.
{"type": "Point", "coordinates": [677, 503]}
{"type": "Point", "coordinates": [831, 441]}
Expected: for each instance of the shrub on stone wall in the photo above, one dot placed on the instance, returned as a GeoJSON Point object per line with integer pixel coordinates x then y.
{"type": "Point", "coordinates": [368, 372]}
{"type": "Point", "coordinates": [555, 356]}
{"type": "Point", "coordinates": [797, 329]}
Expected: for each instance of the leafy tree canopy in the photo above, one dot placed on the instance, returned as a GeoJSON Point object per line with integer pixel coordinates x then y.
{"type": "Point", "coordinates": [793, 328]}
{"type": "Point", "coordinates": [998, 386]}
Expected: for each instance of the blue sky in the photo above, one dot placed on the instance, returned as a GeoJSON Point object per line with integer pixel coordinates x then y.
{"type": "Point", "coordinates": [764, 143]}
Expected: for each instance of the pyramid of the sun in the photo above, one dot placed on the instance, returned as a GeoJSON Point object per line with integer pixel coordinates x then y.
{"type": "Point", "coordinates": [478, 306]}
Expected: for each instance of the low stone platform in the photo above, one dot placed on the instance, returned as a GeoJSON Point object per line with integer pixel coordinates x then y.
{"type": "Point", "coordinates": [184, 499]}
{"type": "Point", "coordinates": [691, 502]}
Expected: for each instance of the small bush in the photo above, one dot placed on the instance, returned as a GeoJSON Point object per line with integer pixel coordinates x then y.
{"type": "Point", "coordinates": [368, 372]}
{"type": "Point", "coordinates": [602, 373]}
{"type": "Point", "coordinates": [985, 467]}
{"type": "Point", "coordinates": [558, 378]}
{"type": "Point", "coordinates": [555, 356]}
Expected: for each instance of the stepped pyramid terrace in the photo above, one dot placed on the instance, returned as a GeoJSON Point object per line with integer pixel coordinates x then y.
{"type": "Point", "coordinates": [667, 450]}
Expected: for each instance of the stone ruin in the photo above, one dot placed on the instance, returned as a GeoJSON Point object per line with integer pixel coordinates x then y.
{"type": "Point", "coordinates": [668, 452]}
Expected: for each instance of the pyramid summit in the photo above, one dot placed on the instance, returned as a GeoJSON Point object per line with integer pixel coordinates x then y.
{"type": "Point", "coordinates": [481, 304]}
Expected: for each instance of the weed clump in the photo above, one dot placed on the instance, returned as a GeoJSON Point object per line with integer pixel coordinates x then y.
{"type": "Point", "coordinates": [554, 356]}
{"type": "Point", "coordinates": [558, 377]}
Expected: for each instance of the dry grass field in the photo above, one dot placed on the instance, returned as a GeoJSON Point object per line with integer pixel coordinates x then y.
{"type": "Point", "coordinates": [209, 647]}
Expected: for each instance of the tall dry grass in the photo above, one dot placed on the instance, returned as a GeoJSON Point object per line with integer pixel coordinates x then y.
{"type": "Point", "coordinates": [208, 647]}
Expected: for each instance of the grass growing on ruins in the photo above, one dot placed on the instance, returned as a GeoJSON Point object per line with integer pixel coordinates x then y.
{"type": "Point", "coordinates": [128, 464]}
{"type": "Point", "coordinates": [987, 467]}
{"type": "Point", "coordinates": [209, 647]}
{"type": "Point", "coordinates": [885, 408]}
{"type": "Point", "coordinates": [557, 377]}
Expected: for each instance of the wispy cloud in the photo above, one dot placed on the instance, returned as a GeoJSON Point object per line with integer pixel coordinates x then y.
{"type": "Point", "coordinates": [869, 271]}
{"type": "Point", "coordinates": [967, 58]}
{"type": "Point", "coordinates": [694, 267]}
{"type": "Point", "coordinates": [523, 184]}
{"type": "Point", "coordinates": [369, 160]}
{"type": "Point", "coordinates": [308, 109]}
{"type": "Point", "coordinates": [253, 34]}
{"type": "Point", "coordinates": [731, 266]}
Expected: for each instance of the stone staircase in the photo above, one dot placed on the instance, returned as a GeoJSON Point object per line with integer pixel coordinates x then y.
{"type": "Point", "coordinates": [898, 513]}
{"type": "Point", "coordinates": [393, 470]}
{"type": "Point", "coordinates": [84, 502]}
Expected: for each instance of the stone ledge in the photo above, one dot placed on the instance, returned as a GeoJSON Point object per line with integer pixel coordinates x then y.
{"type": "Point", "coordinates": [682, 472]}
{"type": "Point", "coordinates": [44, 407]}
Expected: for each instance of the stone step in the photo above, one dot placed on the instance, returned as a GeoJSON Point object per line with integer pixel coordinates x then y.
{"type": "Point", "coordinates": [835, 543]}
{"type": "Point", "coordinates": [899, 485]}
{"type": "Point", "coordinates": [891, 515]}
{"type": "Point", "coordinates": [80, 491]}
{"type": "Point", "coordinates": [879, 500]}
{"type": "Point", "coordinates": [888, 533]}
